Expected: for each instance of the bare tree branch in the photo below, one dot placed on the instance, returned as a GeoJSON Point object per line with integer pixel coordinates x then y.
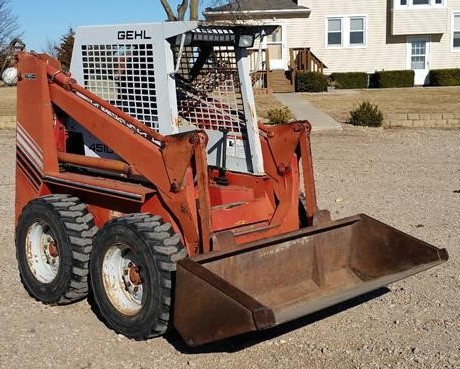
{"type": "Point", "coordinates": [9, 30]}
{"type": "Point", "coordinates": [9, 27]}
{"type": "Point", "coordinates": [181, 10]}
{"type": "Point", "coordinates": [51, 48]}
{"type": "Point", "coordinates": [193, 6]}
{"type": "Point", "coordinates": [169, 12]}
{"type": "Point", "coordinates": [235, 13]}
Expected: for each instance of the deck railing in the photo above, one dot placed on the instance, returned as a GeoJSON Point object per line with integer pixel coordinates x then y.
{"type": "Point", "coordinates": [259, 79]}
{"type": "Point", "coordinates": [260, 74]}
{"type": "Point", "coordinates": [300, 59]}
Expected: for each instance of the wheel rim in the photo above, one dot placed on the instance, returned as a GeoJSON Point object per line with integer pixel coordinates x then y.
{"type": "Point", "coordinates": [122, 279]}
{"type": "Point", "coordinates": [42, 252]}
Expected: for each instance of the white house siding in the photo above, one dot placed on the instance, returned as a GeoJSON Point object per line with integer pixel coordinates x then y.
{"type": "Point", "coordinates": [419, 21]}
{"type": "Point", "coordinates": [442, 55]}
{"type": "Point", "coordinates": [383, 50]}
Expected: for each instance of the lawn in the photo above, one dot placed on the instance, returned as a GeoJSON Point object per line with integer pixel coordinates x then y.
{"type": "Point", "coordinates": [7, 101]}
{"type": "Point", "coordinates": [390, 101]}
{"type": "Point", "coordinates": [266, 102]}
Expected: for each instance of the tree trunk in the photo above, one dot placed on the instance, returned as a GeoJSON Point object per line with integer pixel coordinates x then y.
{"type": "Point", "coordinates": [194, 6]}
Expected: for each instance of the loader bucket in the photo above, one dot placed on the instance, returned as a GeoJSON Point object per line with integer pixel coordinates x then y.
{"type": "Point", "coordinates": [270, 282]}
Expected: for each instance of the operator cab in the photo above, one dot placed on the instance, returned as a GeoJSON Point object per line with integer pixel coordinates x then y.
{"type": "Point", "coordinates": [175, 77]}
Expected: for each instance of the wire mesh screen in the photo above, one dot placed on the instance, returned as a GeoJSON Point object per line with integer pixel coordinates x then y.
{"type": "Point", "coordinates": [208, 89]}
{"type": "Point", "coordinates": [123, 75]}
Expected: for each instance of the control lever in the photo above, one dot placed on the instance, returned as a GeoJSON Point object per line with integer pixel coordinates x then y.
{"type": "Point", "coordinates": [222, 179]}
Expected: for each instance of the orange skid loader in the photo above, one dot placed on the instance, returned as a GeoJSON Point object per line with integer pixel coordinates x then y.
{"type": "Point", "coordinates": [145, 178]}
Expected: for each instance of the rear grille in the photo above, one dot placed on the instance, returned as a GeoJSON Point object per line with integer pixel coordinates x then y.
{"type": "Point", "coordinates": [123, 75]}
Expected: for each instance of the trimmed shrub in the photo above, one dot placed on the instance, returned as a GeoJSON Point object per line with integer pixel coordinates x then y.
{"type": "Point", "coordinates": [350, 80]}
{"type": "Point", "coordinates": [311, 82]}
{"type": "Point", "coordinates": [445, 77]}
{"type": "Point", "coordinates": [279, 116]}
{"type": "Point", "coordinates": [395, 78]}
{"type": "Point", "coordinates": [366, 114]}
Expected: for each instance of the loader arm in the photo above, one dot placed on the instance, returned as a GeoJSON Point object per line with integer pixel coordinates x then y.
{"type": "Point", "coordinates": [166, 162]}
{"type": "Point", "coordinates": [172, 163]}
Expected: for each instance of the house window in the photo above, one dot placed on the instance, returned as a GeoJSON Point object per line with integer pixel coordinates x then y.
{"type": "Point", "coordinates": [456, 32]}
{"type": "Point", "coordinates": [334, 32]}
{"type": "Point", "coordinates": [344, 32]}
{"type": "Point", "coordinates": [357, 31]}
{"type": "Point", "coordinates": [418, 3]}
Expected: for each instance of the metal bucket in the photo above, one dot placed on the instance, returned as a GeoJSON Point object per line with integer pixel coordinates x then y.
{"type": "Point", "coordinates": [269, 282]}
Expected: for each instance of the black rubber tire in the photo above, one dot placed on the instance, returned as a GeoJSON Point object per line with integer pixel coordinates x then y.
{"type": "Point", "coordinates": [303, 218]}
{"type": "Point", "coordinates": [156, 248]}
{"type": "Point", "coordinates": [73, 228]}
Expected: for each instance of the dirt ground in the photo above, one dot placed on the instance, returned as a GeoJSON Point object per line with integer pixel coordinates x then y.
{"type": "Point", "coordinates": [407, 178]}
{"type": "Point", "coordinates": [339, 103]}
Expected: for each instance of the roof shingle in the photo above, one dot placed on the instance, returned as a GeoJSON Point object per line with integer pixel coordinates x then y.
{"type": "Point", "coordinates": [255, 5]}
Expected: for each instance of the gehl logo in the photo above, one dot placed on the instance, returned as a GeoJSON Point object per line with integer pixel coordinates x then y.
{"type": "Point", "coordinates": [133, 35]}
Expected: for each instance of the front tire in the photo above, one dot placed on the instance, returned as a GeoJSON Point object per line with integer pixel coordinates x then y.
{"type": "Point", "coordinates": [132, 274]}
{"type": "Point", "coordinates": [53, 245]}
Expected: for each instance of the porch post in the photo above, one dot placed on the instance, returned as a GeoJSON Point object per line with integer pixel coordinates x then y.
{"type": "Point", "coordinates": [249, 103]}
{"type": "Point", "coordinates": [267, 67]}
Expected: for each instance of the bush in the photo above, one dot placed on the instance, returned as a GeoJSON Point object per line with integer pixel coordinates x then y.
{"type": "Point", "coordinates": [350, 80]}
{"type": "Point", "coordinates": [445, 77]}
{"type": "Point", "coordinates": [366, 114]}
{"type": "Point", "coordinates": [279, 116]}
{"type": "Point", "coordinates": [373, 80]}
{"type": "Point", "coordinates": [311, 82]}
{"type": "Point", "coordinates": [395, 78]}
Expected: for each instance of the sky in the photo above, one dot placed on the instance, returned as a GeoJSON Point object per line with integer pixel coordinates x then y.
{"type": "Point", "coordinates": [43, 20]}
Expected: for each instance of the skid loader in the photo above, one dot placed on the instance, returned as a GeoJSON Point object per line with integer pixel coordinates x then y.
{"type": "Point", "coordinates": [144, 177]}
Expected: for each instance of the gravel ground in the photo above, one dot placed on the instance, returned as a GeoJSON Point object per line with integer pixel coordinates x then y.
{"type": "Point", "coordinates": [406, 178]}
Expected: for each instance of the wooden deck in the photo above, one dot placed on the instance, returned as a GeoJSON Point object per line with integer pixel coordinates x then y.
{"type": "Point", "coordinates": [268, 80]}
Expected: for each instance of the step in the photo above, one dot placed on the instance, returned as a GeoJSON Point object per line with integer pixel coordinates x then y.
{"type": "Point", "coordinates": [281, 81]}
{"type": "Point", "coordinates": [281, 90]}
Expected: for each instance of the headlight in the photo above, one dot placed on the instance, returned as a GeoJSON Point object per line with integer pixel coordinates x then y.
{"type": "Point", "coordinates": [245, 41]}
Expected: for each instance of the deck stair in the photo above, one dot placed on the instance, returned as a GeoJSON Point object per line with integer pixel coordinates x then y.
{"type": "Point", "coordinates": [268, 80]}
{"type": "Point", "coordinates": [281, 81]}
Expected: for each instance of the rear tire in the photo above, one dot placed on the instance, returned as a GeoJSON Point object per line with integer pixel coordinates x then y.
{"type": "Point", "coordinates": [53, 245]}
{"type": "Point", "coordinates": [132, 272]}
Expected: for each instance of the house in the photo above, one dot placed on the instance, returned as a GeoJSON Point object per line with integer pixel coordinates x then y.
{"type": "Point", "coordinates": [354, 36]}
